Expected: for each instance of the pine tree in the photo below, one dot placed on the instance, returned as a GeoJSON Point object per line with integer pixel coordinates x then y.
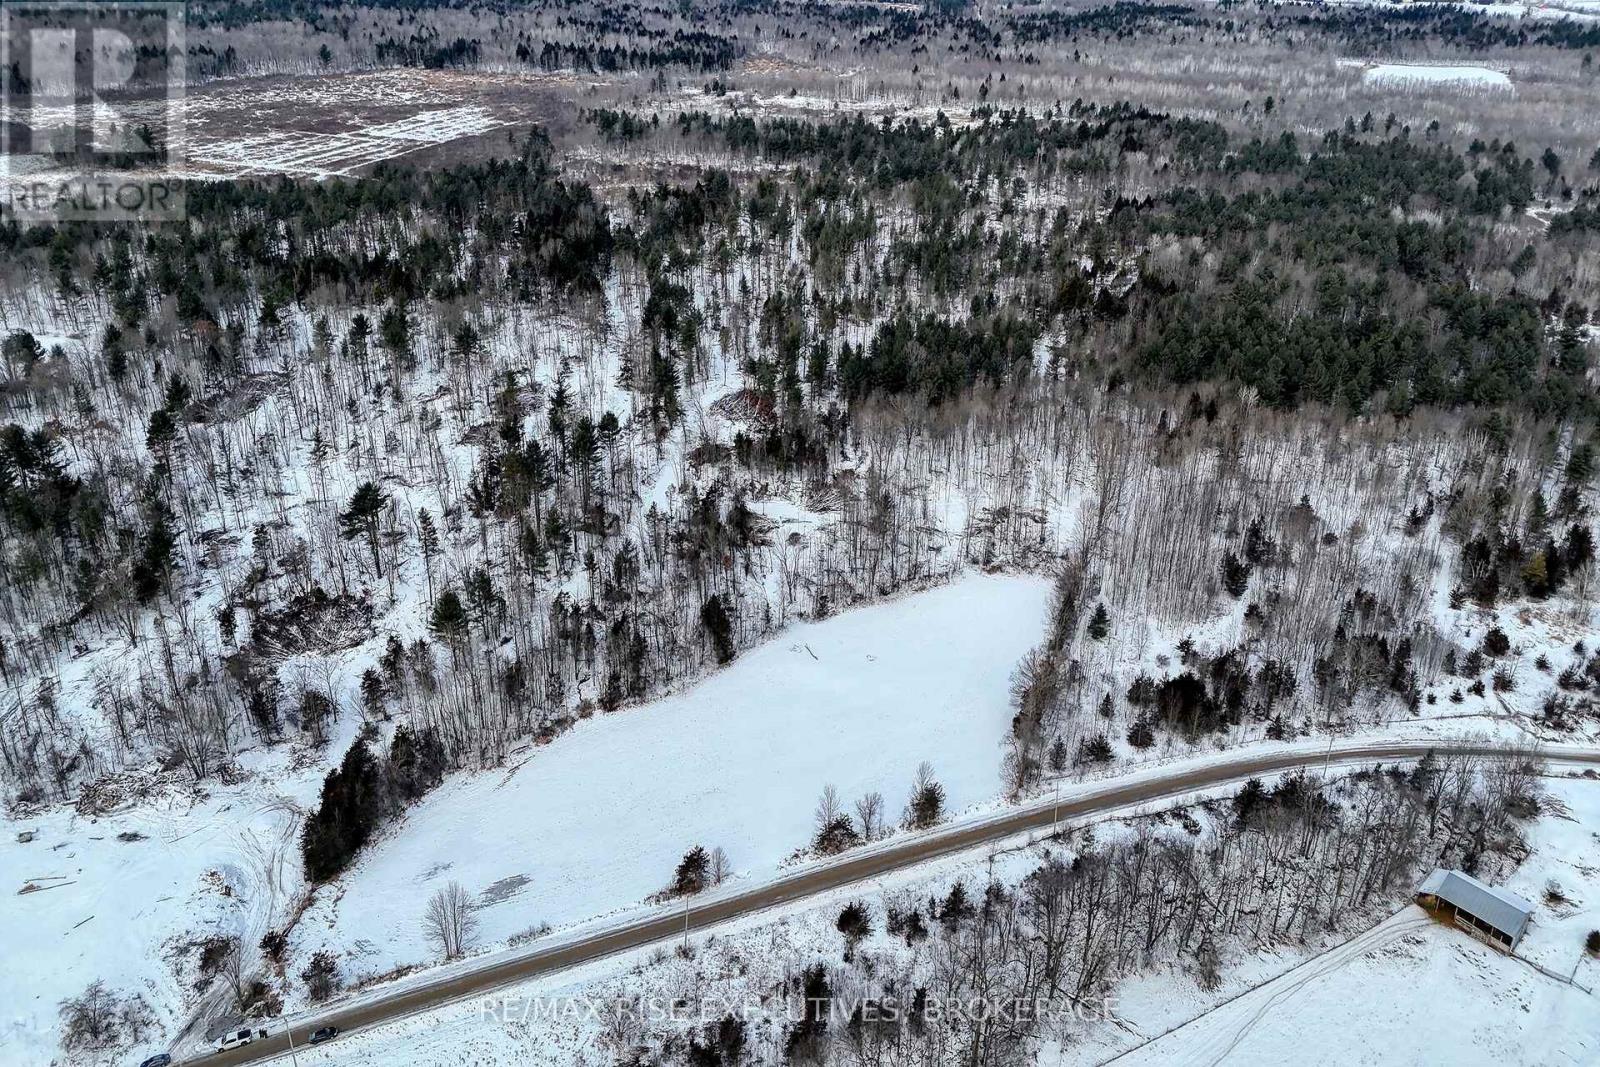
{"type": "Point", "coordinates": [1235, 575]}
{"type": "Point", "coordinates": [1258, 547]}
{"type": "Point", "coordinates": [714, 617]}
{"type": "Point", "coordinates": [1579, 548]}
{"type": "Point", "coordinates": [1140, 735]}
{"type": "Point", "coordinates": [1099, 622]}
{"type": "Point", "coordinates": [373, 692]}
{"type": "Point", "coordinates": [352, 796]}
{"type": "Point", "coordinates": [154, 565]}
{"type": "Point", "coordinates": [428, 541]}
{"type": "Point", "coordinates": [926, 806]}
{"type": "Point", "coordinates": [691, 875]}
{"type": "Point", "coordinates": [360, 518]}
{"type": "Point", "coordinates": [449, 618]}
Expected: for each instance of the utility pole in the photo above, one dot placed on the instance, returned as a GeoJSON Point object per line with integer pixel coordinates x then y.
{"type": "Point", "coordinates": [288, 1032]}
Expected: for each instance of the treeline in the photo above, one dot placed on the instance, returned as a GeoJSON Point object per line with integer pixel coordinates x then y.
{"type": "Point", "coordinates": [690, 49]}
{"type": "Point", "coordinates": [999, 141]}
{"type": "Point", "coordinates": [1448, 24]}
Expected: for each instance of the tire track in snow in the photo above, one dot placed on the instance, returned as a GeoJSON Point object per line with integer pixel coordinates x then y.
{"type": "Point", "coordinates": [1233, 1020]}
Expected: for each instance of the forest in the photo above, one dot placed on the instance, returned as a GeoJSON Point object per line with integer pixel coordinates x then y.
{"type": "Point", "coordinates": [1289, 395]}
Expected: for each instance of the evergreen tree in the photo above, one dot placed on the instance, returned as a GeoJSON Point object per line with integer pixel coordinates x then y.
{"type": "Point", "coordinates": [1140, 735]}
{"type": "Point", "coordinates": [1579, 547]}
{"type": "Point", "coordinates": [416, 762]}
{"type": "Point", "coordinates": [154, 564]}
{"type": "Point", "coordinates": [428, 542]}
{"type": "Point", "coordinates": [360, 518]}
{"type": "Point", "coordinates": [1235, 575]}
{"type": "Point", "coordinates": [449, 619]}
{"type": "Point", "coordinates": [926, 806]}
{"type": "Point", "coordinates": [714, 617]}
{"type": "Point", "coordinates": [352, 798]}
{"type": "Point", "coordinates": [1099, 622]}
{"type": "Point", "coordinates": [692, 873]}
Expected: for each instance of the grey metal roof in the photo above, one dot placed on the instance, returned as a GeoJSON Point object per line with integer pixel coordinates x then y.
{"type": "Point", "coordinates": [1500, 908]}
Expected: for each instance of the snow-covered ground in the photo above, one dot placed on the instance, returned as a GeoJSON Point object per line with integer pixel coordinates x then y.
{"type": "Point", "coordinates": [598, 820]}
{"type": "Point", "coordinates": [1410, 989]}
{"type": "Point", "coordinates": [592, 823]}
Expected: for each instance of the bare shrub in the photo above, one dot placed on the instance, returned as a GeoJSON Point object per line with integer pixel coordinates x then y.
{"type": "Point", "coordinates": [98, 1020]}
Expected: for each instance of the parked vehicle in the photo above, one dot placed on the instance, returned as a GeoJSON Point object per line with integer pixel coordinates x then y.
{"type": "Point", "coordinates": [160, 1059]}
{"type": "Point", "coordinates": [236, 1039]}
{"type": "Point", "coordinates": [323, 1033]}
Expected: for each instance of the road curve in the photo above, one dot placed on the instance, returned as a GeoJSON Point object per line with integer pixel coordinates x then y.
{"type": "Point", "coordinates": [1165, 783]}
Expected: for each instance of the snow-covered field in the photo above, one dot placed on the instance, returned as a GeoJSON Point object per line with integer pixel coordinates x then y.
{"type": "Point", "coordinates": [338, 153]}
{"type": "Point", "coordinates": [124, 897]}
{"type": "Point", "coordinates": [598, 820]}
{"type": "Point", "coordinates": [1425, 75]}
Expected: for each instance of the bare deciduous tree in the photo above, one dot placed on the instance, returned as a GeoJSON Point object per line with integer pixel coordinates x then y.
{"type": "Point", "coordinates": [829, 808]}
{"type": "Point", "coordinates": [235, 973]}
{"type": "Point", "coordinates": [451, 921]}
{"type": "Point", "coordinates": [869, 813]}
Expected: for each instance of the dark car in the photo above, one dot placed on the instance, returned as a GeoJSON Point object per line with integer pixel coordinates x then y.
{"type": "Point", "coordinates": [160, 1059]}
{"type": "Point", "coordinates": [323, 1033]}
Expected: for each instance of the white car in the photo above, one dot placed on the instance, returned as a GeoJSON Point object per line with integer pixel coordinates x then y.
{"type": "Point", "coordinates": [236, 1039]}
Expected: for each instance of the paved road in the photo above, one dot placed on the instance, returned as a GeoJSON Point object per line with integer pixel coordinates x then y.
{"type": "Point", "coordinates": [1164, 783]}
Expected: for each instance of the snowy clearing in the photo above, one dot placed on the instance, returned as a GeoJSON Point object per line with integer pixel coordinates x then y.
{"type": "Point", "coordinates": [737, 762]}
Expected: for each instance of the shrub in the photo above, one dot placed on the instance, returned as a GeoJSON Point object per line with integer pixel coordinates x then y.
{"type": "Point", "coordinates": [273, 944]}
{"type": "Point", "coordinates": [835, 836]}
{"type": "Point", "coordinates": [1094, 749]}
{"type": "Point", "coordinates": [321, 976]}
{"type": "Point", "coordinates": [855, 923]}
